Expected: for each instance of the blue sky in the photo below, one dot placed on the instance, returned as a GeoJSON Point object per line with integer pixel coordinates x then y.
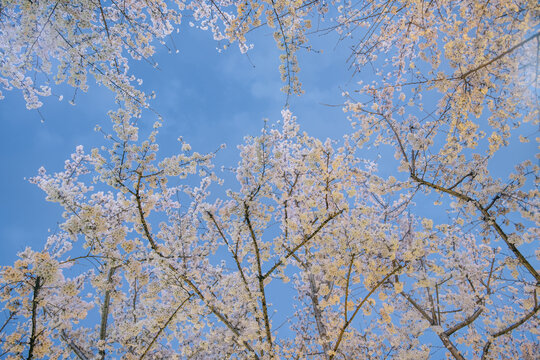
{"type": "Point", "coordinates": [205, 96]}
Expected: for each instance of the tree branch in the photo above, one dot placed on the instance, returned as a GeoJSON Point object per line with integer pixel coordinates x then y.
{"type": "Point", "coordinates": [239, 267]}
{"type": "Point", "coordinates": [510, 328]}
{"type": "Point", "coordinates": [443, 336]}
{"type": "Point", "coordinates": [216, 312]}
{"type": "Point", "coordinates": [418, 308]}
{"type": "Point", "coordinates": [105, 312]}
{"type": "Point", "coordinates": [161, 329]}
{"type": "Point", "coordinates": [305, 241]}
{"type": "Point", "coordinates": [501, 55]}
{"type": "Point", "coordinates": [76, 350]}
{"type": "Point", "coordinates": [349, 321]}
{"type": "Point", "coordinates": [318, 315]}
{"type": "Point", "coordinates": [33, 335]}
{"type": "Point", "coordinates": [465, 322]}
{"type": "Point", "coordinates": [260, 279]}
{"type": "Point", "coordinates": [10, 316]}
{"type": "Point", "coordinates": [487, 218]}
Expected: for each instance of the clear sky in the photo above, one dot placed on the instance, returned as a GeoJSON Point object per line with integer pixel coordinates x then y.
{"type": "Point", "coordinates": [205, 96]}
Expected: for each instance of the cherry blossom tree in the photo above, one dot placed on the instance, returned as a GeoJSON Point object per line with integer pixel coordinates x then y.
{"type": "Point", "coordinates": [148, 263]}
{"type": "Point", "coordinates": [44, 43]}
{"type": "Point", "coordinates": [456, 91]}
{"type": "Point", "coordinates": [145, 265]}
{"type": "Point", "coordinates": [191, 278]}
